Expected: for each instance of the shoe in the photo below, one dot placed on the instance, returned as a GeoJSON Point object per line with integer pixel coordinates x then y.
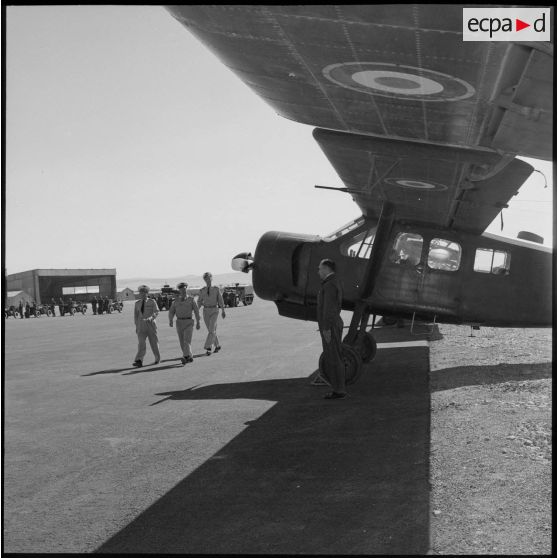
{"type": "Point", "coordinates": [189, 359]}
{"type": "Point", "coordinates": [183, 360]}
{"type": "Point", "coordinates": [207, 352]}
{"type": "Point", "coordinates": [137, 363]}
{"type": "Point", "coordinates": [217, 349]}
{"type": "Point", "coordinates": [335, 395]}
{"type": "Point", "coordinates": [157, 361]}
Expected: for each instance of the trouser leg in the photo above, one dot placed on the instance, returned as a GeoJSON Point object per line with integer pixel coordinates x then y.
{"type": "Point", "coordinates": [210, 316]}
{"type": "Point", "coordinates": [185, 331]}
{"type": "Point", "coordinates": [333, 359]}
{"type": "Point", "coordinates": [153, 339]}
{"type": "Point", "coordinates": [142, 335]}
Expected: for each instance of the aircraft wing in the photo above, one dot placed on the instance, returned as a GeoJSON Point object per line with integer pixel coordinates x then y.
{"type": "Point", "coordinates": [401, 72]}
{"type": "Point", "coordinates": [462, 189]}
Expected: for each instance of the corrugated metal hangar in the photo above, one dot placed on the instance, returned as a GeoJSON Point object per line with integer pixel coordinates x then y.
{"type": "Point", "coordinates": [79, 284]}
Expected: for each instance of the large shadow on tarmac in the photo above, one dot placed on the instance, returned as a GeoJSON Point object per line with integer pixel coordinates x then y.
{"type": "Point", "coordinates": [310, 475]}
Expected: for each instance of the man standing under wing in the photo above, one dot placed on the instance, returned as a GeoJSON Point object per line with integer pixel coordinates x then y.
{"type": "Point", "coordinates": [182, 307]}
{"type": "Point", "coordinates": [145, 313]}
{"type": "Point", "coordinates": [211, 299]}
{"type": "Point", "coordinates": [331, 328]}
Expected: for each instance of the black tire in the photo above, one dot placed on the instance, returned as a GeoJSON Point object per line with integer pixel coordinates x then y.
{"type": "Point", "coordinates": [353, 364]}
{"type": "Point", "coordinates": [365, 345]}
{"type": "Point", "coordinates": [119, 309]}
{"type": "Point", "coordinates": [249, 301]}
{"type": "Point", "coordinates": [49, 313]}
{"type": "Point", "coordinates": [109, 311]}
{"type": "Point", "coordinates": [84, 310]}
{"type": "Point", "coordinates": [73, 311]}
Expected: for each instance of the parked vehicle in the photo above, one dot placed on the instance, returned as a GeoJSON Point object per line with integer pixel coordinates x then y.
{"type": "Point", "coordinates": [233, 295]}
{"type": "Point", "coordinates": [11, 312]}
{"type": "Point", "coordinates": [116, 306]}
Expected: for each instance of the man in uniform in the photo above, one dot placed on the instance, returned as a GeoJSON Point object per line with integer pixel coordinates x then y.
{"type": "Point", "coordinates": [61, 306]}
{"type": "Point", "coordinates": [21, 309]}
{"type": "Point", "coordinates": [53, 306]}
{"type": "Point", "coordinates": [211, 300]}
{"type": "Point", "coordinates": [145, 313]}
{"type": "Point", "coordinates": [182, 307]}
{"type": "Point", "coordinates": [331, 328]}
{"type": "Point", "coordinates": [94, 305]}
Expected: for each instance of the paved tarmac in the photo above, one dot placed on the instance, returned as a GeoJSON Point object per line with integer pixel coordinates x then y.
{"type": "Point", "coordinates": [235, 453]}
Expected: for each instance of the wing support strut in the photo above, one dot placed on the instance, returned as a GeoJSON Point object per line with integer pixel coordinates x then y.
{"type": "Point", "coordinates": [361, 313]}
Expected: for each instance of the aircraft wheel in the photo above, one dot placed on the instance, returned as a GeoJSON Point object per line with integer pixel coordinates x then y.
{"type": "Point", "coordinates": [73, 311]}
{"type": "Point", "coordinates": [365, 345]}
{"type": "Point", "coordinates": [49, 313]}
{"type": "Point", "coordinates": [83, 310]}
{"type": "Point", "coordinates": [353, 364]}
{"type": "Point", "coordinates": [389, 320]}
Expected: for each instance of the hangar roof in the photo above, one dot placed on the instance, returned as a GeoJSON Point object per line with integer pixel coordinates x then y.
{"type": "Point", "coordinates": [64, 272]}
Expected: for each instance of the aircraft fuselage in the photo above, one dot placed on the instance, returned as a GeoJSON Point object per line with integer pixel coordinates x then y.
{"type": "Point", "coordinates": [450, 276]}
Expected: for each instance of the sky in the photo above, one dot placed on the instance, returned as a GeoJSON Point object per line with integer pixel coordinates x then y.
{"type": "Point", "coordinates": [130, 146]}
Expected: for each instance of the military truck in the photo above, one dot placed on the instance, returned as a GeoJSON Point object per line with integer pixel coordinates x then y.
{"type": "Point", "coordinates": [165, 298]}
{"type": "Point", "coordinates": [233, 295]}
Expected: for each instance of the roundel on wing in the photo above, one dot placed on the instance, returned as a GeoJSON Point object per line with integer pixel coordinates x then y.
{"type": "Point", "coordinates": [427, 185]}
{"type": "Point", "coordinates": [397, 81]}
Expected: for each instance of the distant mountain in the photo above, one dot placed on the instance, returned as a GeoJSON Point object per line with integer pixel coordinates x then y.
{"type": "Point", "coordinates": [192, 280]}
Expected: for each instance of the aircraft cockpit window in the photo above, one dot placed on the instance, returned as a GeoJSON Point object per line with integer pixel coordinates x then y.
{"type": "Point", "coordinates": [407, 249]}
{"type": "Point", "coordinates": [360, 245]}
{"type": "Point", "coordinates": [444, 255]}
{"type": "Point", "coordinates": [496, 262]}
{"type": "Point", "coordinates": [345, 229]}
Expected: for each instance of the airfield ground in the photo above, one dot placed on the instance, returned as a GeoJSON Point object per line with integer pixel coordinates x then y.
{"type": "Point", "coordinates": [238, 453]}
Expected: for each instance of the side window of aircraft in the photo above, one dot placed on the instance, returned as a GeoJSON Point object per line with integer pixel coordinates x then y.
{"type": "Point", "coordinates": [407, 249]}
{"type": "Point", "coordinates": [360, 245]}
{"type": "Point", "coordinates": [444, 255]}
{"type": "Point", "coordinates": [492, 261]}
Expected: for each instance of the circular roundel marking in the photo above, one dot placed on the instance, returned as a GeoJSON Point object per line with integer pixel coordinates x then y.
{"type": "Point", "coordinates": [416, 184]}
{"type": "Point", "coordinates": [398, 82]}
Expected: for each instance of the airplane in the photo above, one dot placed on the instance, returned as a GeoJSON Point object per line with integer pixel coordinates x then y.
{"type": "Point", "coordinates": [423, 129]}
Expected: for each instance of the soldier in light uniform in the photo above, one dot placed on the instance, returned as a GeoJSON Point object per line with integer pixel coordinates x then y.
{"type": "Point", "coordinates": [211, 299]}
{"type": "Point", "coordinates": [182, 307]}
{"type": "Point", "coordinates": [145, 313]}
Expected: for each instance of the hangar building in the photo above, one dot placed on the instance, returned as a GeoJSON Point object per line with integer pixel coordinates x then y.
{"type": "Point", "coordinates": [79, 284]}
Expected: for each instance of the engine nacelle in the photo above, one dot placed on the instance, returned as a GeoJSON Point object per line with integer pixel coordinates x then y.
{"type": "Point", "coordinates": [280, 267]}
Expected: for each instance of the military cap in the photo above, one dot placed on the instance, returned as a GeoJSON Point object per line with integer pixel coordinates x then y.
{"type": "Point", "coordinates": [143, 288]}
{"type": "Point", "coordinates": [181, 285]}
{"type": "Point", "coordinates": [207, 274]}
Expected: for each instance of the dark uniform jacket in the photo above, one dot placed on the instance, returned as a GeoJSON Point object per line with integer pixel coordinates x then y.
{"type": "Point", "coordinates": [329, 303]}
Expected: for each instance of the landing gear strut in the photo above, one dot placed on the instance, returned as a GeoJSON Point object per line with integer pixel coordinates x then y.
{"type": "Point", "coordinates": [359, 346]}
